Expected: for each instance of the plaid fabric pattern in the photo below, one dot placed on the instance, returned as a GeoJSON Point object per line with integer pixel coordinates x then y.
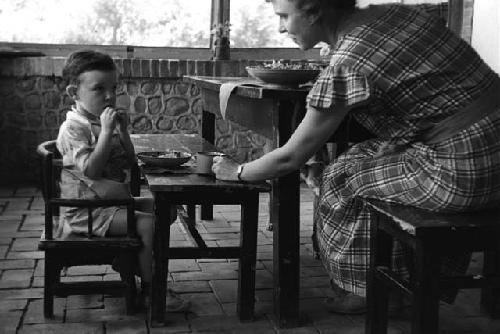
{"type": "Point", "coordinates": [410, 71]}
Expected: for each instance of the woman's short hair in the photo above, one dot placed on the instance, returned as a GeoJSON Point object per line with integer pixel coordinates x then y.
{"type": "Point", "coordinates": [316, 6]}
{"type": "Point", "coordinates": [84, 61]}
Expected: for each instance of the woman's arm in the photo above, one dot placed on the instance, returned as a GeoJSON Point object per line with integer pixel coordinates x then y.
{"type": "Point", "coordinates": [314, 130]}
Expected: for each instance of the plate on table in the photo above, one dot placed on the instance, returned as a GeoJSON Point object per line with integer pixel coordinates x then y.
{"type": "Point", "coordinates": [169, 158]}
{"type": "Point", "coordinates": [284, 74]}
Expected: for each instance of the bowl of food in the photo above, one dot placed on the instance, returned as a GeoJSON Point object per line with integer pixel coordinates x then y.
{"type": "Point", "coordinates": [169, 158]}
{"type": "Point", "coordinates": [288, 74]}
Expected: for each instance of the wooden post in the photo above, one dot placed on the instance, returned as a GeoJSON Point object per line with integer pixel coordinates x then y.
{"type": "Point", "coordinates": [456, 16]}
{"type": "Point", "coordinates": [220, 13]}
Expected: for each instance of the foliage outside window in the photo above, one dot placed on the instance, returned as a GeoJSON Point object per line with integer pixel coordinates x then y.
{"type": "Point", "coordinates": [181, 23]}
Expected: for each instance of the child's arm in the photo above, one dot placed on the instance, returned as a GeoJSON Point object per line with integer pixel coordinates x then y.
{"type": "Point", "coordinates": [125, 136]}
{"type": "Point", "coordinates": [98, 158]}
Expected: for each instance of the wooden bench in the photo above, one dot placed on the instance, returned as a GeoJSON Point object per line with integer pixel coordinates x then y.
{"type": "Point", "coordinates": [190, 189]}
{"type": "Point", "coordinates": [429, 236]}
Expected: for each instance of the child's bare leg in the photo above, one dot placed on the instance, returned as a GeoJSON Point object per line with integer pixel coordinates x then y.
{"type": "Point", "coordinates": [144, 228]}
{"type": "Point", "coordinates": [144, 204]}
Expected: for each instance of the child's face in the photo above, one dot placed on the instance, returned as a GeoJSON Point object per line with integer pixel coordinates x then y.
{"type": "Point", "coordinates": [96, 91]}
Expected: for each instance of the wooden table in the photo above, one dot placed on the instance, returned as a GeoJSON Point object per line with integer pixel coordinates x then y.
{"type": "Point", "coordinates": [185, 187]}
{"type": "Point", "coordinates": [272, 112]}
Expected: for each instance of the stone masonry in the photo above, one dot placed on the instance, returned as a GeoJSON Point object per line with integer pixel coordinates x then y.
{"type": "Point", "coordinates": [33, 104]}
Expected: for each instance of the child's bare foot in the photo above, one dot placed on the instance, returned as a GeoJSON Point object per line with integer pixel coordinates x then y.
{"type": "Point", "coordinates": [175, 303]}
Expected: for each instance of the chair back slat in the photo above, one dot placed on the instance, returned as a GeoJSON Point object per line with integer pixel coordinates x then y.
{"type": "Point", "coordinates": [50, 164]}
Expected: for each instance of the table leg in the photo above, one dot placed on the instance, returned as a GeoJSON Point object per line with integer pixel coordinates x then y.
{"type": "Point", "coordinates": [208, 133]}
{"type": "Point", "coordinates": [246, 273]}
{"type": "Point", "coordinates": [286, 205]}
{"type": "Point", "coordinates": [161, 243]}
{"type": "Point", "coordinates": [285, 212]}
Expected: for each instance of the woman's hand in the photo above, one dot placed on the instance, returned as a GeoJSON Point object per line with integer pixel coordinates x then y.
{"type": "Point", "coordinates": [225, 169]}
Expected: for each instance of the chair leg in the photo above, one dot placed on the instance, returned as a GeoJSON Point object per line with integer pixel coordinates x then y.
{"type": "Point", "coordinates": [127, 274]}
{"type": "Point", "coordinates": [425, 318]}
{"type": "Point", "coordinates": [207, 212]}
{"type": "Point", "coordinates": [377, 296]}
{"type": "Point", "coordinates": [246, 274]}
{"type": "Point", "coordinates": [48, 286]}
{"type": "Point", "coordinates": [490, 296]}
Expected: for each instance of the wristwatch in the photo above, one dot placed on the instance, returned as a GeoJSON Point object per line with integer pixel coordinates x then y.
{"type": "Point", "coordinates": [239, 171]}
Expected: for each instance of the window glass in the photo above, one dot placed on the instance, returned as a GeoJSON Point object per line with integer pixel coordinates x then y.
{"type": "Point", "coordinates": [254, 24]}
{"type": "Point", "coordinates": [107, 22]}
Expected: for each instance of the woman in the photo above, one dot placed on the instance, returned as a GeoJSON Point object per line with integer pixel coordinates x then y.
{"type": "Point", "coordinates": [411, 82]}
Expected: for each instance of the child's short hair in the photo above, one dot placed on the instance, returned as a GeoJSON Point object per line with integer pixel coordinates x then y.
{"type": "Point", "coordinates": [84, 61]}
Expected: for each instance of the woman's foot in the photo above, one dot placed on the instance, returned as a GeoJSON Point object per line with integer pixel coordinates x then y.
{"type": "Point", "coordinates": [348, 304]}
{"type": "Point", "coordinates": [345, 302]}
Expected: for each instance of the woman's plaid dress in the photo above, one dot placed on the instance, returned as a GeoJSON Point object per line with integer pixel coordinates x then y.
{"type": "Point", "coordinates": [408, 71]}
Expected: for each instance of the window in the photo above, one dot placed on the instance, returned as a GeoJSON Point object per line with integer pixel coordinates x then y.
{"type": "Point", "coordinates": [156, 24]}
{"type": "Point", "coordinates": [254, 24]}
{"type": "Point", "coordinates": [183, 23]}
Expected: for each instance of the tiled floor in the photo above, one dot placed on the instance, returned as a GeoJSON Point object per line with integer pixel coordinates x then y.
{"type": "Point", "coordinates": [209, 284]}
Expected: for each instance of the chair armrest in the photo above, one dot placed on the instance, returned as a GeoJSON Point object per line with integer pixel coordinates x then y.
{"type": "Point", "coordinates": [90, 204]}
{"type": "Point", "coordinates": [85, 203]}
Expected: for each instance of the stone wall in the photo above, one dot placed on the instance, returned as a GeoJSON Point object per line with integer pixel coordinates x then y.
{"type": "Point", "coordinates": [33, 104]}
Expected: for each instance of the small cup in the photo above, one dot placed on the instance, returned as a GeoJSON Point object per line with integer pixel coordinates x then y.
{"type": "Point", "coordinates": [204, 161]}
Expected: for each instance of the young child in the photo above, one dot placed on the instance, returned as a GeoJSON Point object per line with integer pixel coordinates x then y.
{"type": "Point", "coordinates": [95, 143]}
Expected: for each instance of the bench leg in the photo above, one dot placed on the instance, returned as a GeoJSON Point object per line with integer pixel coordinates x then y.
{"type": "Point", "coordinates": [191, 212]}
{"type": "Point", "coordinates": [246, 273]}
{"type": "Point", "coordinates": [425, 319]}
{"type": "Point", "coordinates": [207, 212]}
{"type": "Point", "coordinates": [490, 296]}
{"type": "Point", "coordinates": [377, 294]}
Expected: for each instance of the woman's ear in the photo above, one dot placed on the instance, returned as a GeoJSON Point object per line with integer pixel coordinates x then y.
{"type": "Point", "coordinates": [314, 17]}
{"type": "Point", "coordinates": [71, 90]}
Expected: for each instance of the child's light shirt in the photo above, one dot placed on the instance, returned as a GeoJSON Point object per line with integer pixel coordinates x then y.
{"type": "Point", "coordinates": [76, 140]}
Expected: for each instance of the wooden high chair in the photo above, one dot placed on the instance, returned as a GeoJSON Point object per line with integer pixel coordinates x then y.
{"type": "Point", "coordinates": [81, 250]}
